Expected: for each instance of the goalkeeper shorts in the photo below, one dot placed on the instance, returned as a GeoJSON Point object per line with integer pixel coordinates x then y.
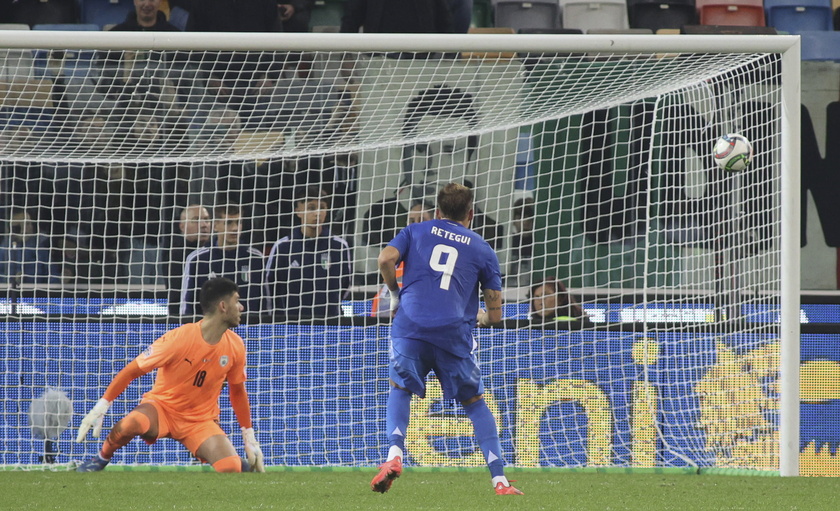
{"type": "Point", "coordinates": [190, 433]}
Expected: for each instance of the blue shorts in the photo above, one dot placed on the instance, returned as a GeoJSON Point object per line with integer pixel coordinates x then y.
{"type": "Point", "coordinates": [411, 362]}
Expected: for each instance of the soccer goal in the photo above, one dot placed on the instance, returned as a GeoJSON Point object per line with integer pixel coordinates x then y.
{"type": "Point", "coordinates": [591, 160]}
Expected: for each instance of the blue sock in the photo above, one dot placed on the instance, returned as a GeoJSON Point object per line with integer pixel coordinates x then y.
{"type": "Point", "coordinates": [396, 418]}
{"type": "Point", "coordinates": [487, 436]}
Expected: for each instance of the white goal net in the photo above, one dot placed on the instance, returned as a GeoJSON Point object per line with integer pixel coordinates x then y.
{"type": "Point", "coordinates": [136, 166]}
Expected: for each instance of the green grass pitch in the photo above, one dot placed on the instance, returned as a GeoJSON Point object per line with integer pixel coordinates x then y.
{"type": "Point", "coordinates": [447, 490]}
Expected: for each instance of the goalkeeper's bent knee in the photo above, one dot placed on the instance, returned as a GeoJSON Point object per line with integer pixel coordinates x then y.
{"type": "Point", "coordinates": [229, 464]}
{"type": "Point", "coordinates": [132, 425]}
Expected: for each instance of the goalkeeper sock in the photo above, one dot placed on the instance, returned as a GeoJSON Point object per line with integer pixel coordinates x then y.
{"type": "Point", "coordinates": [230, 464]}
{"type": "Point", "coordinates": [396, 418]}
{"type": "Point", "coordinates": [132, 425]}
{"type": "Point", "coordinates": [487, 436]}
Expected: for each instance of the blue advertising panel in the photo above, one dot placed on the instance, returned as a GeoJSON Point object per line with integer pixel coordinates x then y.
{"type": "Point", "coordinates": [562, 398]}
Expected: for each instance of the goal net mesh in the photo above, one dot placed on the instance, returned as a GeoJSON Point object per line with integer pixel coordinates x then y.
{"type": "Point", "coordinates": [130, 177]}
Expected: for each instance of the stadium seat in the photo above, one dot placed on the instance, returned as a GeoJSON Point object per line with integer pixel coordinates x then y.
{"type": "Point", "coordinates": [35, 12]}
{"type": "Point", "coordinates": [519, 14]}
{"type": "Point", "coordinates": [104, 12]}
{"type": "Point", "coordinates": [585, 15]}
{"type": "Point", "coordinates": [731, 12]}
{"type": "Point", "coordinates": [14, 26]}
{"type": "Point", "coordinates": [179, 17]}
{"type": "Point", "coordinates": [656, 15]}
{"type": "Point", "coordinates": [795, 16]}
{"type": "Point", "coordinates": [326, 12]}
{"type": "Point", "coordinates": [820, 45]}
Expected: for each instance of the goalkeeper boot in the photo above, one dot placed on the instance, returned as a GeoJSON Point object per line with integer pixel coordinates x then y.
{"type": "Point", "coordinates": [388, 471]}
{"type": "Point", "coordinates": [501, 489]}
{"type": "Point", "coordinates": [94, 464]}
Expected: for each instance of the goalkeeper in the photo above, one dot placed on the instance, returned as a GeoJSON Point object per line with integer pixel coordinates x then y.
{"type": "Point", "coordinates": [193, 362]}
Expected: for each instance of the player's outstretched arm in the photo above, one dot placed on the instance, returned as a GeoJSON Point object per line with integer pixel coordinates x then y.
{"type": "Point", "coordinates": [493, 314]}
{"type": "Point", "coordinates": [387, 262]}
{"type": "Point", "coordinates": [242, 408]}
{"type": "Point", "coordinates": [93, 420]}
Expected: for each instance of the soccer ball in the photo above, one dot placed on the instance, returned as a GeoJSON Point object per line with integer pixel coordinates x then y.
{"type": "Point", "coordinates": [733, 152]}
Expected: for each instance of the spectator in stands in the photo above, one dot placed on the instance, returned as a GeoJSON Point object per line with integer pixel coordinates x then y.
{"type": "Point", "coordinates": [226, 257]}
{"type": "Point", "coordinates": [551, 301]}
{"type": "Point", "coordinates": [295, 14]}
{"type": "Point", "coordinates": [194, 231]}
{"type": "Point", "coordinates": [522, 242]}
{"type": "Point", "coordinates": [488, 228]}
{"type": "Point", "coordinates": [146, 16]}
{"type": "Point", "coordinates": [308, 272]}
{"type": "Point", "coordinates": [420, 211]}
{"type": "Point", "coordinates": [397, 16]}
{"type": "Point", "coordinates": [237, 69]}
{"type": "Point", "coordinates": [25, 253]}
{"type": "Point", "coordinates": [70, 260]}
{"type": "Point", "coordinates": [385, 219]}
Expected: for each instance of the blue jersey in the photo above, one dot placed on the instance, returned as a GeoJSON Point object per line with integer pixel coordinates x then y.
{"type": "Point", "coordinates": [445, 263]}
{"type": "Point", "coordinates": [242, 264]}
{"type": "Point", "coordinates": [308, 277]}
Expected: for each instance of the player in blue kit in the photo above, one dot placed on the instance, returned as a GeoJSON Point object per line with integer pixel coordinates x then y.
{"type": "Point", "coordinates": [436, 310]}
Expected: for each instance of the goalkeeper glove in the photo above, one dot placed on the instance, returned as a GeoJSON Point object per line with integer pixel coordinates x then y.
{"type": "Point", "coordinates": [253, 453]}
{"type": "Point", "coordinates": [94, 419]}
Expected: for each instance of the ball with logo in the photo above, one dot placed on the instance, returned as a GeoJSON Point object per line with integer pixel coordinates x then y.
{"type": "Point", "coordinates": [733, 152]}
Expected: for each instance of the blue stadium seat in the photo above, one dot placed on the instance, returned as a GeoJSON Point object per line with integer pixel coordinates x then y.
{"type": "Point", "coordinates": [105, 12]}
{"type": "Point", "coordinates": [519, 14]}
{"type": "Point", "coordinates": [795, 16]}
{"type": "Point", "coordinates": [820, 45]}
{"type": "Point", "coordinates": [179, 17]}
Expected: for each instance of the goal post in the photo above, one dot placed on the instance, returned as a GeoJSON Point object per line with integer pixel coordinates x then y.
{"type": "Point", "coordinates": [590, 159]}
